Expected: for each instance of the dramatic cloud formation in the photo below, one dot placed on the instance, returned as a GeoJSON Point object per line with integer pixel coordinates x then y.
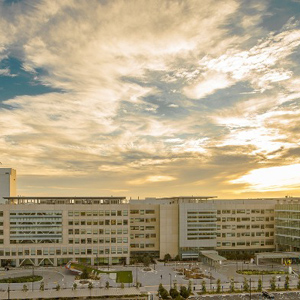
{"type": "Point", "coordinates": [151, 98]}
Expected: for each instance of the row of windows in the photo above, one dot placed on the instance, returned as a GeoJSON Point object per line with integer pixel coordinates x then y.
{"type": "Point", "coordinates": [142, 235]}
{"type": "Point", "coordinates": [36, 213]}
{"type": "Point", "coordinates": [245, 219]}
{"type": "Point", "coordinates": [245, 211]}
{"type": "Point", "coordinates": [245, 243]}
{"type": "Point", "coordinates": [64, 251]}
{"type": "Point", "coordinates": [97, 223]}
{"type": "Point", "coordinates": [142, 211]}
{"type": "Point", "coordinates": [98, 231]}
{"type": "Point", "coordinates": [99, 241]}
{"type": "Point", "coordinates": [99, 213]}
{"type": "Point", "coordinates": [142, 220]}
{"type": "Point", "coordinates": [142, 245]}
{"type": "Point", "coordinates": [142, 228]}
{"type": "Point", "coordinates": [254, 226]}
{"type": "Point", "coordinates": [233, 234]}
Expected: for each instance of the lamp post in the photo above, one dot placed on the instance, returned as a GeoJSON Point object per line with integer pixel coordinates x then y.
{"type": "Point", "coordinates": [32, 277]}
{"type": "Point", "coordinates": [250, 288]}
{"type": "Point", "coordinates": [8, 292]}
{"type": "Point", "coordinates": [170, 280]}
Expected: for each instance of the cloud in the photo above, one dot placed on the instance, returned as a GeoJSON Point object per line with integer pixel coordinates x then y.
{"type": "Point", "coordinates": [152, 179]}
{"type": "Point", "coordinates": [130, 74]}
{"type": "Point", "coordinates": [272, 179]}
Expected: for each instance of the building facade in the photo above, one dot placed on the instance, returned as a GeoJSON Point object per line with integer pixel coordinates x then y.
{"type": "Point", "coordinates": [109, 230]}
{"type": "Point", "coordinates": [287, 224]}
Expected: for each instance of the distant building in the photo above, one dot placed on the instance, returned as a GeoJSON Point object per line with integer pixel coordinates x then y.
{"type": "Point", "coordinates": [8, 184]}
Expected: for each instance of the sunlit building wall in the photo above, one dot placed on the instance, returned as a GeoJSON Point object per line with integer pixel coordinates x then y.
{"type": "Point", "coordinates": [287, 225]}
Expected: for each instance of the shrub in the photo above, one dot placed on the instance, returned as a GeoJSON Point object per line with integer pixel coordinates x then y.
{"type": "Point", "coordinates": [231, 285]}
{"type": "Point", "coordinates": [203, 288]}
{"type": "Point", "coordinates": [273, 283]}
{"type": "Point", "coordinates": [245, 285]}
{"type": "Point", "coordinates": [184, 292]}
{"type": "Point", "coordinates": [218, 286]}
{"type": "Point", "coordinates": [259, 285]}
{"type": "Point", "coordinates": [173, 293]}
{"type": "Point", "coordinates": [25, 288]}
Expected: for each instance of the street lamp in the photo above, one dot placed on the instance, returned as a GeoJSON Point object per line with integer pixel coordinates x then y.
{"type": "Point", "coordinates": [250, 288]}
{"type": "Point", "coordinates": [8, 291]}
{"type": "Point", "coordinates": [170, 280]}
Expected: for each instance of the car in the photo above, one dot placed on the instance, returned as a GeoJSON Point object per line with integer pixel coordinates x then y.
{"type": "Point", "coordinates": [267, 295]}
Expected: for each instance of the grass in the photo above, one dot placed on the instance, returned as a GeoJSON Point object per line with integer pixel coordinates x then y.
{"type": "Point", "coordinates": [122, 276]}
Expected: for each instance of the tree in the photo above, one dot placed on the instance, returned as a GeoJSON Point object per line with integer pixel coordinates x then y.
{"type": "Point", "coordinates": [218, 286]}
{"type": "Point", "coordinates": [173, 293]}
{"type": "Point", "coordinates": [90, 285]}
{"type": "Point", "coordinates": [162, 292]}
{"type": "Point", "coordinates": [167, 257]}
{"type": "Point", "coordinates": [74, 286]}
{"type": "Point", "coordinates": [42, 286]}
{"type": "Point", "coordinates": [203, 288]}
{"type": "Point", "coordinates": [298, 284]}
{"type": "Point", "coordinates": [57, 287]}
{"type": "Point", "coordinates": [146, 260]}
{"type": "Point", "coordinates": [190, 287]}
{"type": "Point", "coordinates": [107, 285]}
{"type": "Point", "coordinates": [122, 285]}
{"type": "Point", "coordinates": [231, 286]}
{"type": "Point", "coordinates": [84, 274]}
{"type": "Point", "coordinates": [245, 285]}
{"type": "Point", "coordinates": [287, 282]}
{"type": "Point", "coordinates": [259, 285]}
{"type": "Point", "coordinates": [273, 283]}
{"type": "Point", "coordinates": [25, 288]}
{"type": "Point", "coordinates": [177, 257]}
{"type": "Point", "coordinates": [184, 292]}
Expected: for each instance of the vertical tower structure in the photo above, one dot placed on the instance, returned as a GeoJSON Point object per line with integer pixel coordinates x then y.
{"type": "Point", "coordinates": [8, 183]}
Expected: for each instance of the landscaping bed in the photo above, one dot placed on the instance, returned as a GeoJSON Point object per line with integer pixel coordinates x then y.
{"type": "Point", "coordinates": [261, 272]}
{"type": "Point", "coordinates": [21, 279]}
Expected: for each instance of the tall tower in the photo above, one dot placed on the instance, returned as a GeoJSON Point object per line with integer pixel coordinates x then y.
{"type": "Point", "coordinates": [8, 183]}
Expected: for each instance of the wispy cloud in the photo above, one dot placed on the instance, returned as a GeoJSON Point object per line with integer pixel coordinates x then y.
{"type": "Point", "coordinates": [125, 80]}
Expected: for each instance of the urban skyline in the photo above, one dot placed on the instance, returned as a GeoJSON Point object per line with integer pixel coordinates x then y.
{"type": "Point", "coordinates": [151, 98]}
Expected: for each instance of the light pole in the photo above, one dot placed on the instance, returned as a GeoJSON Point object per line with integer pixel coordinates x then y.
{"type": "Point", "coordinates": [8, 292]}
{"type": "Point", "coordinates": [250, 288]}
{"type": "Point", "coordinates": [32, 277]}
{"type": "Point", "coordinates": [170, 280]}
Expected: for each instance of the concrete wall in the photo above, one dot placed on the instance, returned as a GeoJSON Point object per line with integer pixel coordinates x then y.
{"type": "Point", "coordinates": [169, 229]}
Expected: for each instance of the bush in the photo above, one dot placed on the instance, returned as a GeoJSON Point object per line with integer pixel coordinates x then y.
{"type": "Point", "coordinates": [174, 293]}
{"type": "Point", "coordinates": [184, 292]}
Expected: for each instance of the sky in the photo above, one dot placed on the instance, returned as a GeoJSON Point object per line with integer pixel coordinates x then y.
{"type": "Point", "coordinates": [146, 98]}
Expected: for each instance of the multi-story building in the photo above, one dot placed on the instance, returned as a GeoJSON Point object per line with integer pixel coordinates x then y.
{"type": "Point", "coordinates": [52, 231]}
{"type": "Point", "coordinates": [109, 230]}
{"type": "Point", "coordinates": [245, 225]}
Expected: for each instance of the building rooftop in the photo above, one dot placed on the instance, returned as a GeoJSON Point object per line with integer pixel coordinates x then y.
{"type": "Point", "coordinates": [65, 200]}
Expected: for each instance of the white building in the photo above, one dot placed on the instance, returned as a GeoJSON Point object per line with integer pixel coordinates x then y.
{"type": "Point", "coordinates": [8, 184]}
